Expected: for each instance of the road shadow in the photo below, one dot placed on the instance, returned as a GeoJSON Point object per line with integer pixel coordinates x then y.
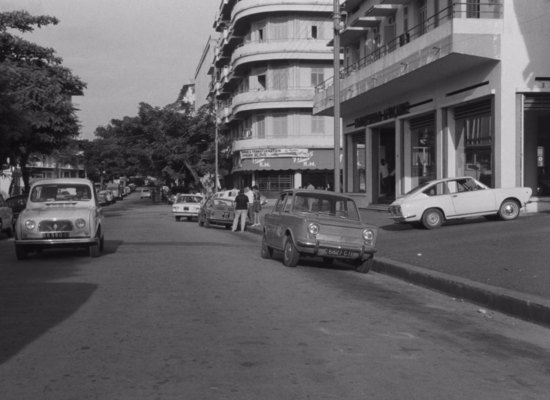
{"type": "Point", "coordinates": [32, 303]}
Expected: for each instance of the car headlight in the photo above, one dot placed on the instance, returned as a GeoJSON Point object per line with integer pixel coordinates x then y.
{"type": "Point", "coordinates": [313, 229]}
{"type": "Point", "coordinates": [30, 224]}
{"type": "Point", "coordinates": [80, 223]}
{"type": "Point", "coordinates": [368, 235]}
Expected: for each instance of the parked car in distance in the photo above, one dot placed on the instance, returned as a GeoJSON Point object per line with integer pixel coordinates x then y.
{"type": "Point", "coordinates": [217, 211]}
{"type": "Point", "coordinates": [17, 204]}
{"type": "Point", "coordinates": [6, 217]}
{"type": "Point", "coordinates": [105, 197]}
{"type": "Point", "coordinates": [187, 206]}
{"type": "Point", "coordinates": [318, 223]}
{"type": "Point", "coordinates": [60, 213]}
{"type": "Point", "coordinates": [434, 202]}
{"type": "Point", "coordinates": [145, 193]}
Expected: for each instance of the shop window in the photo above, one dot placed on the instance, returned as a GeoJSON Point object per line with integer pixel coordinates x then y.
{"type": "Point", "coordinates": [474, 150]}
{"type": "Point", "coordinates": [423, 149]}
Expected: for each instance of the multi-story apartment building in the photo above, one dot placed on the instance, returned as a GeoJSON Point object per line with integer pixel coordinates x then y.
{"type": "Point", "coordinates": [270, 57]}
{"type": "Point", "coordinates": [442, 88]}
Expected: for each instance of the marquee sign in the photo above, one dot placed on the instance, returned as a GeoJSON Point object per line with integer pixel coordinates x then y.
{"type": "Point", "coordinates": [274, 153]}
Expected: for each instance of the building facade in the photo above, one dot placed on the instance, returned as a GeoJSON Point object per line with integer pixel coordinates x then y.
{"type": "Point", "coordinates": [270, 56]}
{"type": "Point", "coordinates": [437, 88]}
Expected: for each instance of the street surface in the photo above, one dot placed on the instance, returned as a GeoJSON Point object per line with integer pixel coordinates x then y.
{"type": "Point", "coordinates": [174, 311]}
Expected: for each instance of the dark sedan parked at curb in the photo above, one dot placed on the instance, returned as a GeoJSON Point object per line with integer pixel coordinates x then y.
{"type": "Point", "coordinates": [318, 223]}
{"type": "Point", "coordinates": [217, 211]}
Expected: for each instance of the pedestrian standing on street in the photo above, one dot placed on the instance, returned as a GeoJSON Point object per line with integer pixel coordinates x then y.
{"type": "Point", "coordinates": [248, 193]}
{"type": "Point", "coordinates": [241, 210]}
{"type": "Point", "coordinates": [257, 205]}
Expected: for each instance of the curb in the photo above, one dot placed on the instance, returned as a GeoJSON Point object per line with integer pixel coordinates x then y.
{"type": "Point", "coordinates": [519, 305]}
{"type": "Point", "coordinates": [516, 304]}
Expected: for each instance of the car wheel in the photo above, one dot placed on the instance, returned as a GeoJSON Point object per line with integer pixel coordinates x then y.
{"type": "Point", "coordinates": [21, 252]}
{"type": "Point", "coordinates": [206, 223]}
{"type": "Point", "coordinates": [290, 253]}
{"type": "Point", "coordinates": [93, 250]}
{"type": "Point", "coordinates": [229, 226]}
{"type": "Point", "coordinates": [365, 266]}
{"type": "Point", "coordinates": [432, 218]}
{"type": "Point", "coordinates": [509, 210]}
{"type": "Point", "coordinates": [177, 219]}
{"type": "Point", "coordinates": [101, 244]}
{"type": "Point", "coordinates": [267, 252]}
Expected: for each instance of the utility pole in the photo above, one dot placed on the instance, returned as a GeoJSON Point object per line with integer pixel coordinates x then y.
{"type": "Point", "coordinates": [216, 133]}
{"type": "Point", "coordinates": [336, 86]}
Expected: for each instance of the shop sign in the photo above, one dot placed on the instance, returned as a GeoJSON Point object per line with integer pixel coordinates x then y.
{"type": "Point", "coordinates": [274, 153]}
{"type": "Point", "coordinates": [388, 113]}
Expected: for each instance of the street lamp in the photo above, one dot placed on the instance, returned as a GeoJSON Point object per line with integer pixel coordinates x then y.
{"type": "Point", "coordinates": [336, 86]}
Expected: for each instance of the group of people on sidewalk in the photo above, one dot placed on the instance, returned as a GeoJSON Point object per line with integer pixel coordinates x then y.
{"type": "Point", "coordinates": [247, 206]}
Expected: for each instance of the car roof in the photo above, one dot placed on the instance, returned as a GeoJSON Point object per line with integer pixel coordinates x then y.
{"type": "Point", "coordinates": [71, 181]}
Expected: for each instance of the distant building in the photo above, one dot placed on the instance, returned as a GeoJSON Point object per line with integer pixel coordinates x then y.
{"type": "Point", "coordinates": [269, 58]}
{"type": "Point", "coordinates": [439, 88]}
{"type": "Point", "coordinates": [186, 98]}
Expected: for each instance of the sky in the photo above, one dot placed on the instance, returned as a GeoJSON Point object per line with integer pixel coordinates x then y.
{"type": "Point", "coordinates": [127, 51]}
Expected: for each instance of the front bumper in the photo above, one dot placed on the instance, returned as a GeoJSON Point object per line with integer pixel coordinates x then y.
{"type": "Point", "coordinates": [58, 242]}
{"type": "Point", "coordinates": [335, 250]}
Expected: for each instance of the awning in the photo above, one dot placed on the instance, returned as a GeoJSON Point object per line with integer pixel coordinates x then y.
{"type": "Point", "coordinates": [313, 160]}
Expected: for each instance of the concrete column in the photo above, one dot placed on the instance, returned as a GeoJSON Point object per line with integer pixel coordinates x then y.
{"type": "Point", "coordinates": [297, 179]}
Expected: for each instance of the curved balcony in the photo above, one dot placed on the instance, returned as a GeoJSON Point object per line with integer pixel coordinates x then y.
{"type": "Point", "coordinates": [305, 49]}
{"type": "Point", "coordinates": [247, 8]}
{"type": "Point", "coordinates": [272, 99]}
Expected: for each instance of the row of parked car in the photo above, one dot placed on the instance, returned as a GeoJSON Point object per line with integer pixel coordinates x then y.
{"type": "Point", "coordinates": [112, 193]}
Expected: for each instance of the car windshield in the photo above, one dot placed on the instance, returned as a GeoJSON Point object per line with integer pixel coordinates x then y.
{"type": "Point", "coordinates": [189, 199]}
{"type": "Point", "coordinates": [60, 192]}
{"type": "Point", "coordinates": [340, 207]}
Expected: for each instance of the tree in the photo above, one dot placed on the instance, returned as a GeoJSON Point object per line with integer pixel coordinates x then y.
{"type": "Point", "coordinates": [175, 145]}
{"type": "Point", "coordinates": [35, 93]}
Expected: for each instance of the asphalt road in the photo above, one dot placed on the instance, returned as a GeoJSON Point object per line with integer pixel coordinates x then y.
{"type": "Point", "coordinates": [174, 311]}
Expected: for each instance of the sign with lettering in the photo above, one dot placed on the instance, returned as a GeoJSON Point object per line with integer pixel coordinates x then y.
{"type": "Point", "coordinates": [274, 153]}
{"type": "Point", "coordinates": [388, 113]}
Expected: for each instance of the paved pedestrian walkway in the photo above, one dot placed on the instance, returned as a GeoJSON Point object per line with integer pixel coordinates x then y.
{"type": "Point", "coordinates": [498, 265]}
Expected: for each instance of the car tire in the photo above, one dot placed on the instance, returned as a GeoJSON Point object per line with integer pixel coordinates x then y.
{"type": "Point", "coordinates": [365, 266]}
{"type": "Point", "coordinates": [93, 250]}
{"type": "Point", "coordinates": [266, 252]}
{"type": "Point", "coordinates": [21, 252]}
{"type": "Point", "coordinates": [229, 226]}
{"type": "Point", "coordinates": [432, 218]}
{"type": "Point", "coordinates": [509, 210]}
{"type": "Point", "coordinates": [200, 221]}
{"type": "Point", "coordinates": [206, 223]}
{"type": "Point", "coordinates": [291, 256]}
{"type": "Point", "coordinates": [177, 219]}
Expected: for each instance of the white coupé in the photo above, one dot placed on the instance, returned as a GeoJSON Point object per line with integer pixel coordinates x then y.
{"type": "Point", "coordinates": [434, 202]}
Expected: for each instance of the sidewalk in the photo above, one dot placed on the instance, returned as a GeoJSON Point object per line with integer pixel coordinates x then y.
{"type": "Point", "coordinates": [503, 266]}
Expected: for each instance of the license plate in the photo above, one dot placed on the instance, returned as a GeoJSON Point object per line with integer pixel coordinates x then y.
{"type": "Point", "coordinates": [56, 235]}
{"type": "Point", "coordinates": [340, 253]}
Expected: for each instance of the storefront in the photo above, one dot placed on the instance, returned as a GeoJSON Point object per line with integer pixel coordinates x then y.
{"type": "Point", "coordinates": [276, 169]}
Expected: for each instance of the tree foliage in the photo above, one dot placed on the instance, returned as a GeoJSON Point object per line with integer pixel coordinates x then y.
{"type": "Point", "coordinates": [36, 111]}
{"type": "Point", "coordinates": [177, 146]}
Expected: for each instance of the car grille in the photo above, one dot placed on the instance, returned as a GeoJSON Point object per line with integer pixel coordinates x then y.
{"type": "Point", "coordinates": [55, 226]}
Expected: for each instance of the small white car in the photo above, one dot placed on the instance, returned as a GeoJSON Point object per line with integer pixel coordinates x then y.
{"type": "Point", "coordinates": [145, 193]}
{"type": "Point", "coordinates": [187, 206]}
{"type": "Point", "coordinates": [434, 202]}
{"type": "Point", "coordinates": [60, 213]}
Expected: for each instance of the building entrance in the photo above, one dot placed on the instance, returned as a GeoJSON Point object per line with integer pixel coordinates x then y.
{"type": "Point", "coordinates": [384, 187]}
{"type": "Point", "coordinates": [537, 144]}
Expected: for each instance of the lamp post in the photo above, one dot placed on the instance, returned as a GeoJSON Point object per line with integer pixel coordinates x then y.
{"type": "Point", "coordinates": [336, 86]}
{"type": "Point", "coordinates": [216, 173]}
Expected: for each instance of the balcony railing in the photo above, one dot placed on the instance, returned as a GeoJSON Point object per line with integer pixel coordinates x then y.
{"type": "Point", "coordinates": [487, 9]}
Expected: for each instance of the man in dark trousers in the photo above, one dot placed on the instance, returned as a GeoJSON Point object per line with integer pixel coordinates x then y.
{"type": "Point", "coordinates": [241, 210]}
